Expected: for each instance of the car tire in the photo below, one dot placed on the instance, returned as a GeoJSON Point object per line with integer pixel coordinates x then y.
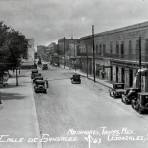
{"type": "Point", "coordinates": [133, 104]}
{"type": "Point", "coordinates": [140, 111]}
{"type": "Point", "coordinates": [122, 100]}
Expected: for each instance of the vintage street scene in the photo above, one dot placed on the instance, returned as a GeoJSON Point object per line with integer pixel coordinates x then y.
{"type": "Point", "coordinates": [73, 74]}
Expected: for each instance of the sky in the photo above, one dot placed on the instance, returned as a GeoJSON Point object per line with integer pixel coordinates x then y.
{"type": "Point", "coordinates": [49, 20]}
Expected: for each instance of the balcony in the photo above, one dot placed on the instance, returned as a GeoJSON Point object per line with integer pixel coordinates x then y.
{"type": "Point", "coordinates": [130, 57]}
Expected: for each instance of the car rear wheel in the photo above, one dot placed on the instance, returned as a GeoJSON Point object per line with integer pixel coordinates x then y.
{"type": "Point", "coordinates": [133, 104]}
{"type": "Point", "coordinates": [140, 111]}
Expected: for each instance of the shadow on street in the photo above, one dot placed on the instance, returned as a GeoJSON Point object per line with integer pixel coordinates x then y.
{"type": "Point", "coordinates": [11, 96]}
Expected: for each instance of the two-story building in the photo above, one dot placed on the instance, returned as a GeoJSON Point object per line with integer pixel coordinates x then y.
{"type": "Point", "coordinates": [67, 49]}
{"type": "Point", "coordinates": [116, 53]}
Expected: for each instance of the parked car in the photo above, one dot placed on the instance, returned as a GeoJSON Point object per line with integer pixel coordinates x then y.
{"type": "Point", "coordinates": [4, 79]}
{"type": "Point", "coordinates": [140, 103]}
{"type": "Point", "coordinates": [40, 86]}
{"type": "Point", "coordinates": [45, 67]}
{"type": "Point", "coordinates": [33, 72]}
{"type": "Point", "coordinates": [117, 90]}
{"type": "Point", "coordinates": [129, 94]}
{"type": "Point", "coordinates": [76, 79]}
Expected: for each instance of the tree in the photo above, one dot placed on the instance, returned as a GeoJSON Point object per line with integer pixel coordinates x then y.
{"type": "Point", "coordinates": [13, 46]}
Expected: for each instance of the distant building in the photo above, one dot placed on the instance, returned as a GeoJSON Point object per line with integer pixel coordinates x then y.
{"type": "Point", "coordinates": [71, 46]}
{"type": "Point", "coordinates": [31, 50]}
{"type": "Point", "coordinates": [67, 49]}
{"type": "Point", "coordinates": [53, 48]}
{"type": "Point", "coordinates": [42, 52]}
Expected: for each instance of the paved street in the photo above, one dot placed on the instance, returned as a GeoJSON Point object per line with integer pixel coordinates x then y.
{"type": "Point", "coordinates": [85, 107]}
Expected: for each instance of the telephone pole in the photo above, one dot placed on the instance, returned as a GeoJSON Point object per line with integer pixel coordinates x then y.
{"type": "Point", "coordinates": [87, 60]}
{"type": "Point", "coordinates": [64, 52]}
{"type": "Point", "coordinates": [93, 43]}
{"type": "Point", "coordinates": [140, 62]}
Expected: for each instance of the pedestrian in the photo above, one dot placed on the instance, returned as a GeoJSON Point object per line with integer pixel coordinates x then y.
{"type": "Point", "coordinates": [46, 83]}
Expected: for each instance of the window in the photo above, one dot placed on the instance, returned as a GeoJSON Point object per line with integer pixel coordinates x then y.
{"type": "Point", "coordinates": [130, 47]}
{"type": "Point", "coordinates": [104, 49]}
{"type": "Point", "coordinates": [111, 47]}
{"type": "Point", "coordinates": [100, 52]}
{"type": "Point", "coordinates": [122, 49]}
{"type": "Point", "coordinates": [97, 49]}
{"type": "Point", "coordinates": [117, 48]}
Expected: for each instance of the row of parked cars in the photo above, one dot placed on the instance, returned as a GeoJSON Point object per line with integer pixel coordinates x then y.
{"type": "Point", "coordinates": [133, 96]}
{"type": "Point", "coordinates": [40, 85]}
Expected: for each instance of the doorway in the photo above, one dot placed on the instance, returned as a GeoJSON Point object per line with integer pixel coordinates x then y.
{"type": "Point", "coordinates": [130, 77]}
{"type": "Point", "coordinates": [122, 75]}
{"type": "Point", "coordinates": [117, 74]}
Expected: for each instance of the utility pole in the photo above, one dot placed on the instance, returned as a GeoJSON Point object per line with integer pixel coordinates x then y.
{"type": "Point", "coordinates": [87, 59]}
{"type": "Point", "coordinates": [64, 52]}
{"type": "Point", "coordinates": [16, 77]}
{"type": "Point", "coordinates": [140, 62]}
{"type": "Point", "coordinates": [93, 43]}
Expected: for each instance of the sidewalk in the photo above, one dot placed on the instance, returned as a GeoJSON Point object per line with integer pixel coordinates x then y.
{"type": "Point", "coordinates": [18, 117]}
{"type": "Point", "coordinates": [102, 82]}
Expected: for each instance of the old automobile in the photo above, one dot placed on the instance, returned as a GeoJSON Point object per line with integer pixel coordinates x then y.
{"type": "Point", "coordinates": [33, 72]}
{"type": "Point", "coordinates": [44, 66]}
{"type": "Point", "coordinates": [117, 90]}
{"type": "Point", "coordinates": [140, 103]}
{"type": "Point", "coordinates": [76, 79]}
{"type": "Point", "coordinates": [129, 94]}
{"type": "Point", "coordinates": [40, 86]}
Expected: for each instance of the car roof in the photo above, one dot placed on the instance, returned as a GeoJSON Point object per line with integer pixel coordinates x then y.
{"type": "Point", "coordinates": [76, 74]}
{"type": "Point", "coordinates": [143, 93]}
{"type": "Point", "coordinates": [38, 77]}
{"type": "Point", "coordinates": [34, 70]}
{"type": "Point", "coordinates": [40, 81]}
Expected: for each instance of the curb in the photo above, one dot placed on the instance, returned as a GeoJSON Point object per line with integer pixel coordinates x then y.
{"type": "Point", "coordinates": [39, 144]}
{"type": "Point", "coordinates": [88, 78]}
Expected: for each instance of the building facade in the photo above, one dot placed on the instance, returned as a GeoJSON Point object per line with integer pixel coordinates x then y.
{"type": "Point", "coordinates": [31, 50]}
{"type": "Point", "coordinates": [67, 49]}
{"type": "Point", "coordinates": [117, 53]}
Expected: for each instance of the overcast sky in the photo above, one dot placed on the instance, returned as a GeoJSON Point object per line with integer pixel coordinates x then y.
{"type": "Point", "coordinates": [49, 20]}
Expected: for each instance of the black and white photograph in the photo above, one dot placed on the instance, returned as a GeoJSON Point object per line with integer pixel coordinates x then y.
{"type": "Point", "coordinates": [73, 73]}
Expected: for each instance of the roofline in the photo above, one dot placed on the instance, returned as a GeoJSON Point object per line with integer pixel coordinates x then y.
{"type": "Point", "coordinates": [127, 28]}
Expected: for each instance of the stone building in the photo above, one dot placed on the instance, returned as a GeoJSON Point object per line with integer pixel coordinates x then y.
{"type": "Point", "coordinates": [117, 53]}
{"type": "Point", "coordinates": [67, 49]}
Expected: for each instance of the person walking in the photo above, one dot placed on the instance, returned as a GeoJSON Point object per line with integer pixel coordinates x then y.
{"type": "Point", "coordinates": [46, 82]}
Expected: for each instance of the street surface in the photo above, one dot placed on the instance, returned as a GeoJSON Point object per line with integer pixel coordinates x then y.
{"type": "Point", "coordinates": [84, 107]}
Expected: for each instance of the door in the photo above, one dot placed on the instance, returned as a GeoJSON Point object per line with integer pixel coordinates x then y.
{"type": "Point", "coordinates": [122, 75]}
{"type": "Point", "coordinates": [117, 74]}
{"type": "Point", "coordinates": [130, 77]}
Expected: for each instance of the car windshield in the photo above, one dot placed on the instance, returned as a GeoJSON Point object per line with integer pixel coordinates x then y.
{"type": "Point", "coordinates": [76, 76]}
{"type": "Point", "coordinates": [35, 71]}
{"type": "Point", "coordinates": [40, 82]}
{"type": "Point", "coordinates": [118, 86]}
